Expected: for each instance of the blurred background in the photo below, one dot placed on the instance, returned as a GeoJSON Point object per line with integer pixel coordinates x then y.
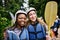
{"type": "Point", "coordinates": [9, 7]}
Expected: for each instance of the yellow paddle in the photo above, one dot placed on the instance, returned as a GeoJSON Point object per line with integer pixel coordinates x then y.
{"type": "Point", "coordinates": [50, 13]}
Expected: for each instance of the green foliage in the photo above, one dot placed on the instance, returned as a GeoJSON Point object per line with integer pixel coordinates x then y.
{"type": "Point", "coordinates": [4, 22]}
{"type": "Point", "coordinates": [5, 19]}
{"type": "Point", "coordinates": [39, 5]}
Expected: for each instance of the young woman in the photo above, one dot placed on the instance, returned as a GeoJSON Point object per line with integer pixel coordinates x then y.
{"type": "Point", "coordinates": [18, 30]}
{"type": "Point", "coordinates": [35, 26]}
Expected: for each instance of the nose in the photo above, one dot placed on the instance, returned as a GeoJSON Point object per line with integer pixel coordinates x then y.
{"type": "Point", "coordinates": [22, 19]}
{"type": "Point", "coordinates": [33, 15]}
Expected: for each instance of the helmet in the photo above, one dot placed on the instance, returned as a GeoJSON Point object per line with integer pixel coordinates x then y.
{"type": "Point", "coordinates": [18, 12]}
{"type": "Point", "coordinates": [31, 9]}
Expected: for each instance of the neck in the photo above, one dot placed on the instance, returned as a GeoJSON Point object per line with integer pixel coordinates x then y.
{"type": "Point", "coordinates": [33, 22]}
{"type": "Point", "coordinates": [19, 27]}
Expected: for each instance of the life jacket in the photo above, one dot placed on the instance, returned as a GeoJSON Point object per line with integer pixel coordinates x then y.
{"type": "Point", "coordinates": [23, 35]}
{"type": "Point", "coordinates": [59, 21]}
{"type": "Point", "coordinates": [56, 23]}
{"type": "Point", "coordinates": [36, 32]}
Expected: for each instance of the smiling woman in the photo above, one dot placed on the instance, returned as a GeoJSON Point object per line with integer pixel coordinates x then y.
{"type": "Point", "coordinates": [18, 30]}
{"type": "Point", "coordinates": [21, 20]}
{"type": "Point", "coordinates": [38, 31]}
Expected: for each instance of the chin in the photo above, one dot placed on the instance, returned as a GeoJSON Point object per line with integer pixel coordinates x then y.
{"type": "Point", "coordinates": [33, 20]}
{"type": "Point", "coordinates": [22, 25]}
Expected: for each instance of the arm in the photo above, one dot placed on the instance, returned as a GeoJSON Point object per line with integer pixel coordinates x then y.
{"type": "Point", "coordinates": [43, 30]}
{"type": "Point", "coordinates": [5, 35]}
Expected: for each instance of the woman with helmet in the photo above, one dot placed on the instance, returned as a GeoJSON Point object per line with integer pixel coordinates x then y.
{"type": "Point", "coordinates": [18, 31]}
{"type": "Point", "coordinates": [35, 26]}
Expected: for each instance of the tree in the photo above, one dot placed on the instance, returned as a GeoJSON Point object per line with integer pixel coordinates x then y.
{"type": "Point", "coordinates": [5, 19]}
{"type": "Point", "coordinates": [39, 5]}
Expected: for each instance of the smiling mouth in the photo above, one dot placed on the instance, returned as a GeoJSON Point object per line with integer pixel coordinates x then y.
{"type": "Point", "coordinates": [22, 22]}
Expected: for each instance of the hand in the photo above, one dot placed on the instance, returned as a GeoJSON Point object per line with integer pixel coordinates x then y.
{"type": "Point", "coordinates": [55, 29]}
{"type": "Point", "coordinates": [48, 37]}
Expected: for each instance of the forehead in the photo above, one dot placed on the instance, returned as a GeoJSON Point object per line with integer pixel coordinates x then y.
{"type": "Point", "coordinates": [21, 15]}
{"type": "Point", "coordinates": [32, 12]}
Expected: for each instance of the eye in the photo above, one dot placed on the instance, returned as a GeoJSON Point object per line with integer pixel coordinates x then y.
{"type": "Point", "coordinates": [30, 14]}
{"type": "Point", "coordinates": [19, 18]}
{"type": "Point", "coordinates": [22, 18]}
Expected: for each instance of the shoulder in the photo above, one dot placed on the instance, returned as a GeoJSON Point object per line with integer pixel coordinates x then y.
{"type": "Point", "coordinates": [25, 29]}
{"type": "Point", "coordinates": [40, 21]}
{"type": "Point", "coordinates": [8, 29]}
{"type": "Point", "coordinates": [5, 29]}
{"type": "Point", "coordinates": [29, 27]}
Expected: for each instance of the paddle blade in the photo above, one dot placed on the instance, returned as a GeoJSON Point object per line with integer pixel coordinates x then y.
{"type": "Point", "coordinates": [50, 13]}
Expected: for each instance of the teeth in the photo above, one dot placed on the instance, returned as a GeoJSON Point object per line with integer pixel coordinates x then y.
{"type": "Point", "coordinates": [22, 22]}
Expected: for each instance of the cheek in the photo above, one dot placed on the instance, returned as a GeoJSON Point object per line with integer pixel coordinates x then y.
{"type": "Point", "coordinates": [18, 20]}
{"type": "Point", "coordinates": [30, 17]}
